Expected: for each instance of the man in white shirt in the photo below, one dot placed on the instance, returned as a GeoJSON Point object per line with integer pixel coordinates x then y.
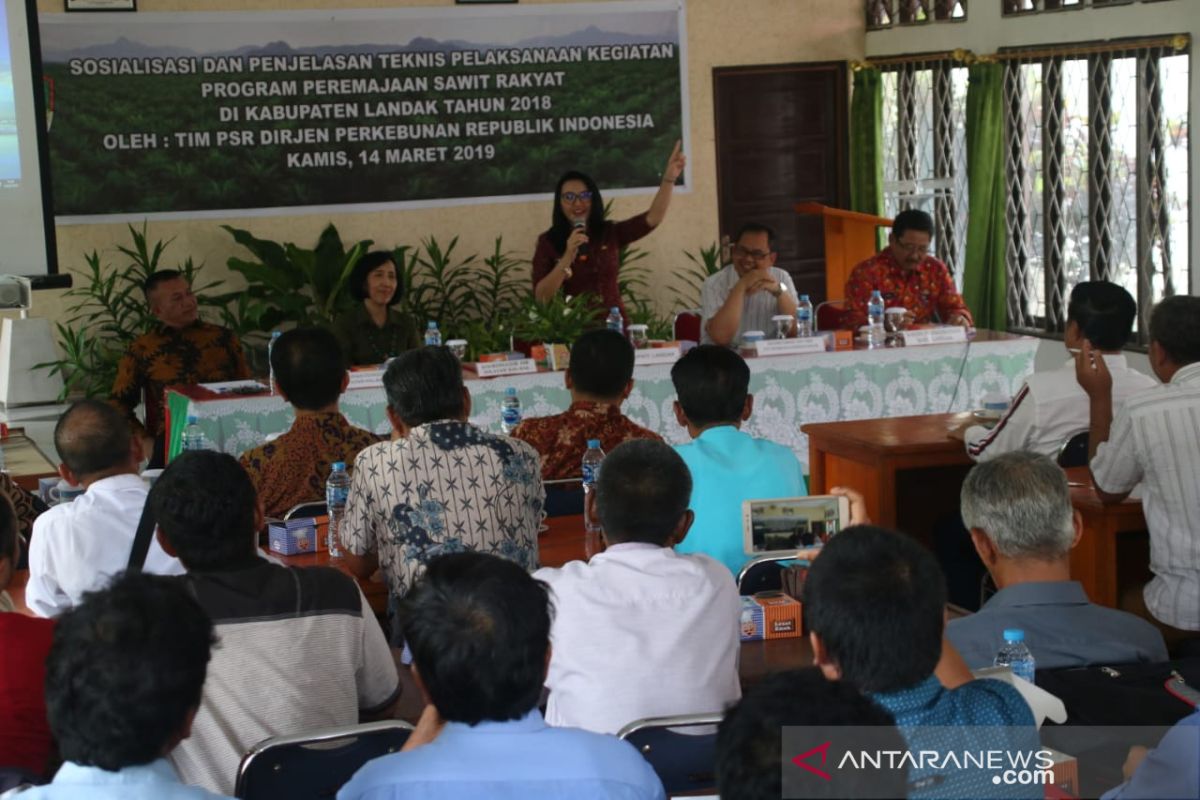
{"type": "Point", "coordinates": [1052, 406]}
{"type": "Point", "coordinates": [640, 630]}
{"type": "Point", "coordinates": [76, 547]}
{"type": "Point", "coordinates": [1154, 440]}
{"type": "Point", "coordinates": [747, 293]}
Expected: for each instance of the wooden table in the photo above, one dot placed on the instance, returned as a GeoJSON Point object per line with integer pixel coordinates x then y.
{"type": "Point", "coordinates": [1115, 546]}
{"type": "Point", "coordinates": [910, 471]}
{"type": "Point", "coordinates": [24, 461]}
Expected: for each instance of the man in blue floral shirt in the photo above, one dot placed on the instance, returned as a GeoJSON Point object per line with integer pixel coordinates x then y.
{"type": "Point", "coordinates": [441, 485]}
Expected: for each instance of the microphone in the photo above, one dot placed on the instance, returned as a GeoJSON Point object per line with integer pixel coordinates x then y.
{"type": "Point", "coordinates": [582, 253]}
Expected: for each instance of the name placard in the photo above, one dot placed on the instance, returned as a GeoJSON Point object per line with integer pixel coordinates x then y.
{"type": "Point", "coordinates": [494, 369]}
{"type": "Point", "coordinates": [945, 334]}
{"type": "Point", "coordinates": [655, 355]}
{"type": "Point", "coordinates": [782, 347]}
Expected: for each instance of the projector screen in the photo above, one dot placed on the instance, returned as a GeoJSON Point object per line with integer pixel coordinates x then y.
{"type": "Point", "coordinates": [26, 219]}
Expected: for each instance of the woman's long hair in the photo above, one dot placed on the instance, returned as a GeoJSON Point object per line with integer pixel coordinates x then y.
{"type": "Point", "coordinates": [560, 225]}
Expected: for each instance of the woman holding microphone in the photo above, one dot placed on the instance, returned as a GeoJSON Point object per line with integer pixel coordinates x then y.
{"type": "Point", "coordinates": [579, 252]}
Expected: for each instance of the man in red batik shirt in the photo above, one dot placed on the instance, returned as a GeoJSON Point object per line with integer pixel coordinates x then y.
{"type": "Point", "coordinates": [907, 277]}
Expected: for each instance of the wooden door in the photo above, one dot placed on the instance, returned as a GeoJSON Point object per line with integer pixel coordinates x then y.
{"type": "Point", "coordinates": [781, 136]}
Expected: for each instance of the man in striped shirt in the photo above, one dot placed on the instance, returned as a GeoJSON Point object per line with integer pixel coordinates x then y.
{"type": "Point", "coordinates": [1155, 440]}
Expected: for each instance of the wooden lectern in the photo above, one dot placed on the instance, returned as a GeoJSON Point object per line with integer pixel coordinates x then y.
{"type": "Point", "coordinates": [849, 239]}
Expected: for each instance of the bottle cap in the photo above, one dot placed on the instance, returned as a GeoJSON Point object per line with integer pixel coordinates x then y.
{"type": "Point", "coordinates": [1014, 635]}
{"type": "Point", "coordinates": [804, 297]}
{"type": "Point", "coordinates": [431, 324]}
{"type": "Point", "coordinates": [616, 309]}
{"type": "Point", "coordinates": [276, 334]}
{"type": "Point", "coordinates": [191, 419]}
{"type": "Point", "coordinates": [511, 391]}
{"type": "Point", "coordinates": [339, 466]}
{"type": "Point", "coordinates": [593, 444]}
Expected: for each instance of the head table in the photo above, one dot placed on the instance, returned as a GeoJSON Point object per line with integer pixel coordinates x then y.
{"type": "Point", "coordinates": [789, 391]}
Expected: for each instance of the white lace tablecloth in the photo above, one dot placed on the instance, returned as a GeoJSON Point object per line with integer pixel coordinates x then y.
{"type": "Point", "coordinates": [789, 391]}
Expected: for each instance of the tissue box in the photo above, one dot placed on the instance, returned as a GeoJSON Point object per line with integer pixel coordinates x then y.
{"type": "Point", "coordinates": [770, 615]}
{"type": "Point", "coordinates": [300, 535]}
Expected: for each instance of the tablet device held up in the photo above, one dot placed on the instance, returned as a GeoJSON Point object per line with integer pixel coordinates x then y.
{"type": "Point", "coordinates": [782, 526]}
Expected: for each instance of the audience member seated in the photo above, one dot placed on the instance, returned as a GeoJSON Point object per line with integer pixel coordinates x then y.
{"type": "Point", "coordinates": [310, 372]}
{"type": "Point", "coordinates": [599, 378]}
{"type": "Point", "coordinates": [1153, 441]}
{"type": "Point", "coordinates": [123, 683]}
{"type": "Point", "coordinates": [640, 630]}
{"type": "Point", "coordinates": [749, 752]}
{"type": "Point", "coordinates": [77, 546]}
{"type": "Point", "coordinates": [479, 630]}
{"type": "Point", "coordinates": [728, 465]}
{"type": "Point", "coordinates": [299, 647]}
{"type": "Point", "coordinates": [874, 604]}
{"type": "Point", "coordinates": [24, 642]}
{"type": "Point", "coordinates": [441, 485]}
{"type": "Point", "coordinates": [1172, 769]}
{"type": "Point", "coordinates": [1052, 406]}
{"type": "Point", "coordinates": [181, 349]}
{"type": "Point", "coordinates": [1018, 509]}
{"type": "Point", "coordinates": [27, 505]}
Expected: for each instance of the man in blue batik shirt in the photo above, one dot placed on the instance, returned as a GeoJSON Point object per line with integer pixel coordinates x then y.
{"type": "Point", "coordinates": [874, 604]}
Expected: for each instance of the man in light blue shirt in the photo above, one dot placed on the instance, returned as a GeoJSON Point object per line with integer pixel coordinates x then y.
{"type": "Point", "coordinates": [479, 630]}
{"type": "Point", "coordinates": [123, 684]}
{"type": "Point", "coordinates": [728, 466]}
{"type": "Point", "coordinates": [1018, 510]}
{"type": "Point", "coordinates": [1171, 770]}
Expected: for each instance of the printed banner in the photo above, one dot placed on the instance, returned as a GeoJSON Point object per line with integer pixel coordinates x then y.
{"type": "Point", "coordinates": [173, 115]}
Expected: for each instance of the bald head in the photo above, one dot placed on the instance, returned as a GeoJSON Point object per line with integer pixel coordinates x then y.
{"type": "Point", "coordinates": [93, 438]}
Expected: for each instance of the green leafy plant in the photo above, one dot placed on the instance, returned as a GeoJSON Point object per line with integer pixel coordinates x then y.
{"type": "Point", "coordinates": [288, 284]}
{"type": "Point", "coordinates": [705, 263]}
{"type": "Point", "coordinates": [562, 318]}
{"type": "Point", "coordinates": [108, 311]}
{"type": "Point", "coordinates": [438, 287]}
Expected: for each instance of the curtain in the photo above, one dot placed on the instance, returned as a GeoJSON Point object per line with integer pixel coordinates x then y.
{"type": "Point", "coordinates": [866, 145]}
{"type": "Point", "coordinates": [985, 277]}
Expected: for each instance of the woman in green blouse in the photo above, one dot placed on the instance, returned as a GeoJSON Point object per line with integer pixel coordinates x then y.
{"type": "Point", "coordinates": [373, 331]}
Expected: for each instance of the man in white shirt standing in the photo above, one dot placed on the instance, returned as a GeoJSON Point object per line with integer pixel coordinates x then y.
{"type": "Point", "coordinates": [1154, 440]}
{"type": "Point", "coordinates": [747, 293]}
{"type": "Point", "coordinates": [640, 630]}
{"type": "Point", "coordinates": [1052, 406]}
{"type": "Point", "coordinates": [77, 546]}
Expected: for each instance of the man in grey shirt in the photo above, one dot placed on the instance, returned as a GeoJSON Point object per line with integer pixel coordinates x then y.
{"type": "Point", "coordinates": [1018, 510]}
{"type": "Point", "coordinates": [747, 293]}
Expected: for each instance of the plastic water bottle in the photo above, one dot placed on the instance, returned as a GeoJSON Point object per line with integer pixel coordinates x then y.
{"type": "Point", "coordinates": [804, 316]}
{"type": "Point", "coordinates": [875, 311]}
{"type": "Point", "coordinates": [591, 471]}
{"type": "Point", "coordinates": [193, 437]}
{"type": "Point", "coordinates": [337, 490]}
{"type": "Point", "coordinates": [615, 321]}
{"type": "Point", "coordinates": [433, 337]}
{"type": "Point", "coordinates": [1015, 655]}
{"type": "Point", "coordinates": [510, 411]}
{"type": "Point", "coordinates": [271, 364]}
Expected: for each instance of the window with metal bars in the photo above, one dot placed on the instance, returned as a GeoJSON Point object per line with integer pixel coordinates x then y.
{"type": "Point", "coordinates": [1013, 8]}
{"type": "Point", "coordinates": [924, 147]}
{"type": "Point", "coordinates": [1097, 177]}
{"type": "Point", "coordinates": [883, 14]}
